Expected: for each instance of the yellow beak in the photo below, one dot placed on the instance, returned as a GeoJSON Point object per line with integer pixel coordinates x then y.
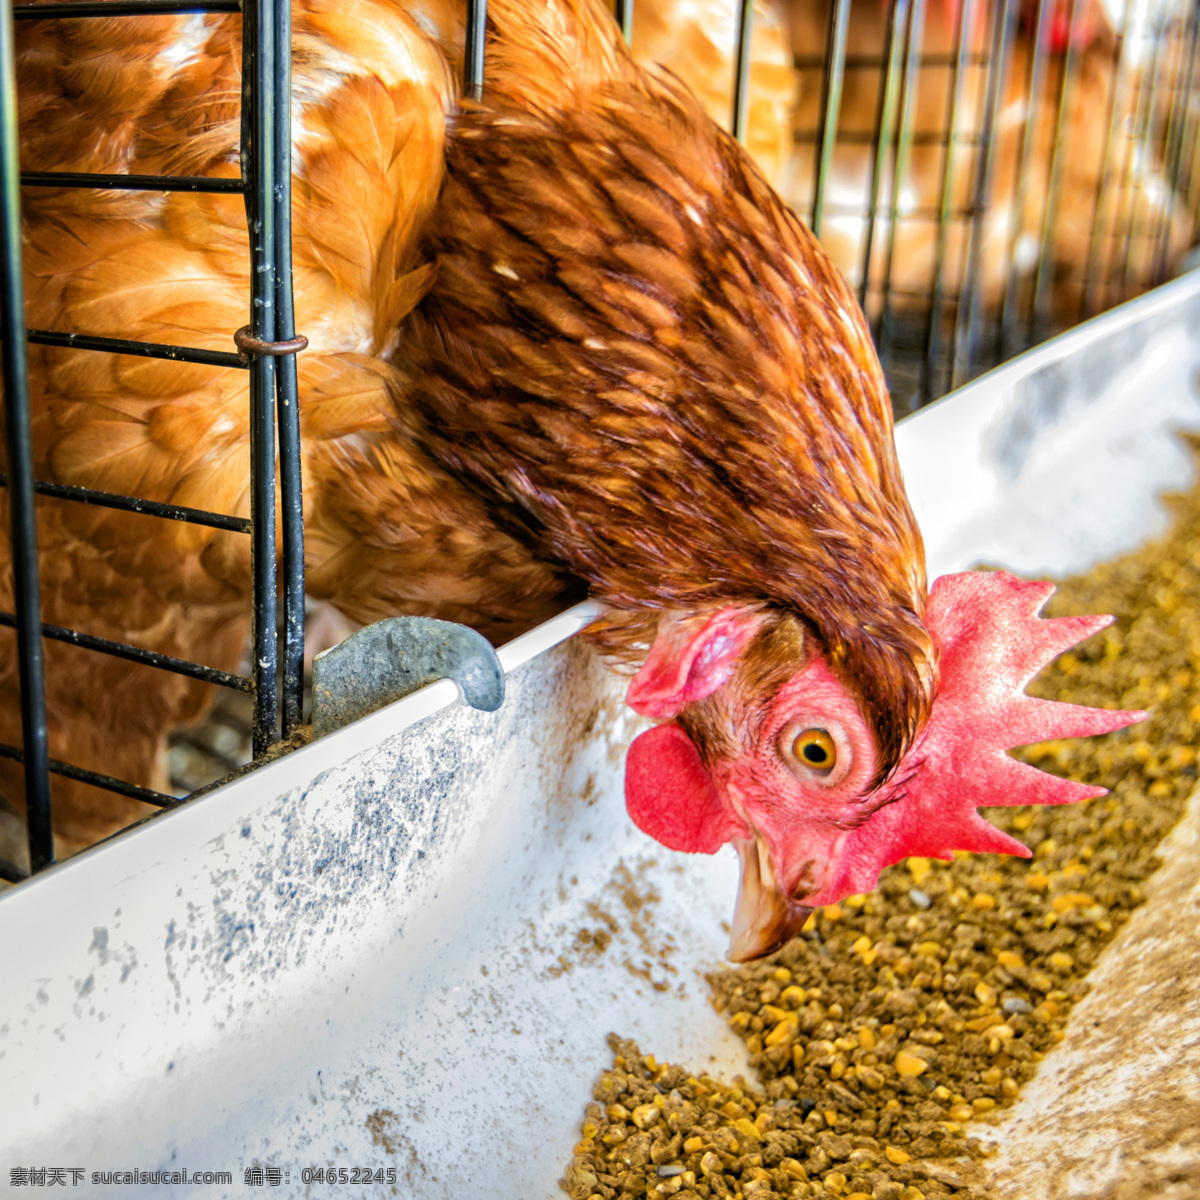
{"type": "Point", "coordinates": [765, 916]}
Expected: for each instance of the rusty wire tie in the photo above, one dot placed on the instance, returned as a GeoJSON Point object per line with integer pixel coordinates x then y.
{"type": "Point", "coordinates": [252, 347]}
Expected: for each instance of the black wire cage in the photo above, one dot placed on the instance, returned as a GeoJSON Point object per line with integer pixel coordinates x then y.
{"type": "Point", "coordinates": [985, 174]}
{"type": "Point", "coordinates": [990, 174]}
{"type": "Point", "coordinates": [266, 348]}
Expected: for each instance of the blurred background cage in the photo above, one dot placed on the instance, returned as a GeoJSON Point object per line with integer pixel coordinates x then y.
{"type": "Point", "coordinates": [986, 173]}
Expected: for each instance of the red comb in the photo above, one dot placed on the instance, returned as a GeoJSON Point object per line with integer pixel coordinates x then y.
{"type": "Point", "coordinates": [990, 643]}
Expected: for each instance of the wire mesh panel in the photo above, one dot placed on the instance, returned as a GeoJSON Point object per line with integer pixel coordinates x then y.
{"type": "Point", "coordinates": [985, 174]}
{"type": "Point", "coordinates": [265, 347]}
{"type": "Point", "coordinates": [999, 171]}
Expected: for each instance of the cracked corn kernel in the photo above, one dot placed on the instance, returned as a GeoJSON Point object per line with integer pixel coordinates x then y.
{"type": "Point", "coordinates": [645, 1115]}
{"type": "Point", "coordinates": [986, 995]}
{"type": "Point", "coordinates": [909, 1064]}
{"type": "Point", "coordinates": [792, 997]}
{"type": "Point", "coordinates": [896, 1155]}
{"type": "Point", "coordinates": [779, 1034]}
{"type": "Point", "coordinates": [919, 869]}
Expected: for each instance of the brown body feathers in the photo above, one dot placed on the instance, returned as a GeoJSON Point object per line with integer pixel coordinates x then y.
{"type": "Point", "coordinates": [633, 342]}
{"type": "Point", "coordinates": [566, 334]}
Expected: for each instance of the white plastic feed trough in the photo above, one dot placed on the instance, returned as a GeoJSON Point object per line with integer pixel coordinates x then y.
{"type": "Point", "coordinates": [369, 953]}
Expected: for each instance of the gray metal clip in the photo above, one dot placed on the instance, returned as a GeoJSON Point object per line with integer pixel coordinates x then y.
{"type": "Point", "coordinates": [392, 658]}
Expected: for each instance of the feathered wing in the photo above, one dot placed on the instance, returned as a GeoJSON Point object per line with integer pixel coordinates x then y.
{"type": "Point", "coordinates": [389, 530]}
{"type": "Point", "coordinates": [682, 403]}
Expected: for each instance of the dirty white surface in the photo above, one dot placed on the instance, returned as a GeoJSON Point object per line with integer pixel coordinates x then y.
{"type": "Point", "coordinates": [1114, 1112]}
{"type": "Point", "coordinates": [1056, 461]}
{"type": "Point", "coordinates": [369, 954]}
{"type": "Point", "coordinates": [380, 951]}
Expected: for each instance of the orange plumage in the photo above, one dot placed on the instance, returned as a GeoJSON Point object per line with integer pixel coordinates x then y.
{"type": "Point", "coordinates": [568, 334]}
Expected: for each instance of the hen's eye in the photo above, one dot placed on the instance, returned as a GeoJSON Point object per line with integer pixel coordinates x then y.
{"type": "Point", "coordinates": [815, 749]}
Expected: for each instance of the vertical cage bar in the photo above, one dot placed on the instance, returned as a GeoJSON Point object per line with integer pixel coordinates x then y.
{"type": "Point", "coordinates": [1087, 305]}
{"type": "Point", "coordinates": [831, 105]}
{"type": "Point", "coordinates": [19, 448]}
{"type": "Point", "coordinates": [966, 332]}
{"type": "Point", "coordinates": [966, 19]}
{"type": "Point", "coordinates": [291, 493]}
{"type": "Point", "coordinates": [474, 49]}
{"type": "Point", "coordinates": [904, 136]}
{"type": "Point", "coordinates": [1037, 77]}
{"type": "Point", "coordinates": [1140, 152]}
{"type": "Point", "coordinates": [1072, 68]}
{"type": "Point", "coordinates": [741, 71]}
{"type": "Point", "coordinates": [258, 171]}
{"type": "Point", "coordinates": [624, 15]}
{"type": "Point", "coordinates": [1187, 182]}
{"type": "Point", "coordinates": [1176, 135]}
{"type": "Point", "coordinates": [884, 116]}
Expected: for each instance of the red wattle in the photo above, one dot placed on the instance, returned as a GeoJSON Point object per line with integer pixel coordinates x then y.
{"type": "Point", "coordinates": [671, 797]}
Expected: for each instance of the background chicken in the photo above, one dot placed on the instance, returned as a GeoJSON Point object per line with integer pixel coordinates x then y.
{"type": "Point", "coordinates": [570, 337]}
{"type": "Point", "coordinates": [1091, 196]}
{"type": "Point", "coordinates": [698, 42]}
{"type": "Point", "coordinates": [1038, 213]}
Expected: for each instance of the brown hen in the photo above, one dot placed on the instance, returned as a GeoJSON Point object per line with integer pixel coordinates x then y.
{"type": "Point", "coordinates": [565, 335]}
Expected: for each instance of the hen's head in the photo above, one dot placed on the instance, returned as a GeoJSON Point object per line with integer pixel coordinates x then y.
{"type": "Point", "coordinates": [771, 751]}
